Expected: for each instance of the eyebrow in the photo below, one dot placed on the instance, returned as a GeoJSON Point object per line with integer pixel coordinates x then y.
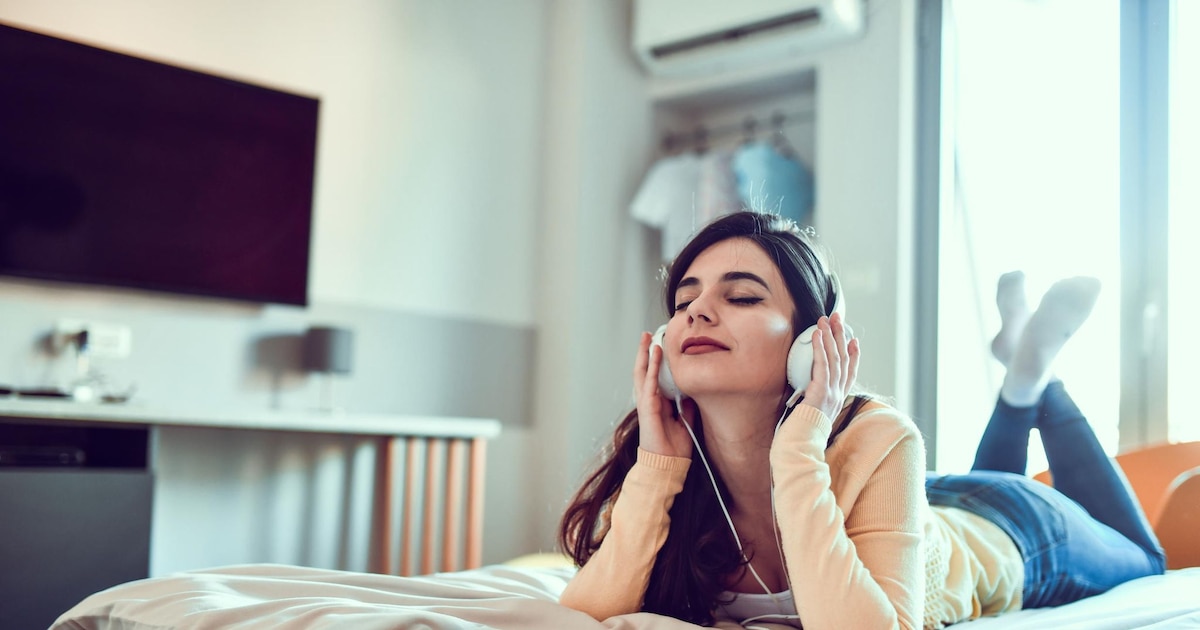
{"type": "Point", "coordinates": [732, 276]}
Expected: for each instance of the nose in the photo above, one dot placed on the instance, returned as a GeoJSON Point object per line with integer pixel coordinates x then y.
{"type": "Point", "coordinates": [702, 309]}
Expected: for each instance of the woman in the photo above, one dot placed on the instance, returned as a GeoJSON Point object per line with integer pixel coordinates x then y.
{"type": "Point", "coordinates": [824, 514]}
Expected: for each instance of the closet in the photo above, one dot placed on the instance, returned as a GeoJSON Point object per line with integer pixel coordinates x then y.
{"type": "Point", "coordinates": [732, 87]}
{"type": "Point", "coordinates": [763, 129]}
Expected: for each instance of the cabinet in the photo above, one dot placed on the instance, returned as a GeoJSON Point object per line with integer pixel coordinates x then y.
{"type": "Point", "coordinates": [76, 504]}
{"type": "Point", "coordinates": [81, 483]}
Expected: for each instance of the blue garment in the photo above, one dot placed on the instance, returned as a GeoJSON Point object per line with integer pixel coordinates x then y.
{"type": "Point", "coordinates": [771, 182]}
{"type": "Point", "coordinates": [1078, 539]}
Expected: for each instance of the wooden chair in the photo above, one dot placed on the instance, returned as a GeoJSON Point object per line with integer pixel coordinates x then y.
{"type": "Point", "coordinates": [1166, 480]}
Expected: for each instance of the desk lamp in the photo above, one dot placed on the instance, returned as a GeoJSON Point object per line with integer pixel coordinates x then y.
{"type": "Point", "coordinates": [328, 350]}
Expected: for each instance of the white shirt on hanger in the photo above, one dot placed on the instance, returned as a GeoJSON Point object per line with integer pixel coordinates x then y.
{"type": "Point", "coordinates": [667, 199]}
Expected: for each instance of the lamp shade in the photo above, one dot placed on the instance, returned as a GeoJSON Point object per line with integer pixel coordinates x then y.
{"type": "Point", "coordinates": [329, 349]}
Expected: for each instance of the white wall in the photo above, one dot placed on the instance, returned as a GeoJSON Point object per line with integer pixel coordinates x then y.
{"type": "Point", "coordinates": [525, 145]}
{"type": "Point", "coordinates": [865, 182]}
{"type": "Point", "coordinates": [421, 102]}
{"type": "Point", "coordinates": [598, 268]}
{"type": "Point", "coordinates": [426, 206]}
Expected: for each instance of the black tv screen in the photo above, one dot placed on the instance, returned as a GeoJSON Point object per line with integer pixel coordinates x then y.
{"type": "Point", "coordinates": [121, 171]}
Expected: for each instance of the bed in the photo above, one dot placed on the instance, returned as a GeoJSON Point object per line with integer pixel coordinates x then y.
{"type": "Point", "coordinates": [524, 593]}
{"type": "Point", "coordinates": [284, 597]}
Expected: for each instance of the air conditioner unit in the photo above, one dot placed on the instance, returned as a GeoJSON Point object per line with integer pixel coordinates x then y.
{"type": "Point", "coordinates": [692, 37]}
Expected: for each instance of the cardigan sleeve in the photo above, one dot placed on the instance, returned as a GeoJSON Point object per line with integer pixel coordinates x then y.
{"type": "Point", "coordinates": [614, 579]}
{"type": "Point", "coordinates": [862, 568]}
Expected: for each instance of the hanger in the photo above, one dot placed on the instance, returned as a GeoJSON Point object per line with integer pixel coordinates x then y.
{"type": "Point", "coordinates": [778, 139]}
{"type": "Point", "coordinates": [700, 140]}
{"type": "Point", "coordinates": [748, 128]}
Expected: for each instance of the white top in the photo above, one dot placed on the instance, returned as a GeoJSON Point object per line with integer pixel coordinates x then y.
{"type": "Point", "coordinates": [747, 608]}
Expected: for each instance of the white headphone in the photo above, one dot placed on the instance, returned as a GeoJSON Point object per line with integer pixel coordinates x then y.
{"type": "Point", "coordinates": [799, 361]}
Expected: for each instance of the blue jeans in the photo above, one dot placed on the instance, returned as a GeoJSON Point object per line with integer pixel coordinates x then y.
{"type": "Point", "coordinates": [1080, 538]}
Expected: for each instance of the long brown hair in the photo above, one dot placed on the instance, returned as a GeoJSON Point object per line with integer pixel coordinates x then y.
{"type": "Point", "coordinates": [700, 556]}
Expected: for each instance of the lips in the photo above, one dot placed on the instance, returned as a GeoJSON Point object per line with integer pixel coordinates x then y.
{"type": "Point", "coordinates": [701, 345]}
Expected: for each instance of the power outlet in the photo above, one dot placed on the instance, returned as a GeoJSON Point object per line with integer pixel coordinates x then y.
{"type": "Point", "coordinates": [110, 341]}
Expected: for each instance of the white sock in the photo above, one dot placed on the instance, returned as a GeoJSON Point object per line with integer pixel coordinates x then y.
{"type": "Point", "coordinates": [1014, 312]}
{"type": "Point", "coordinates": [1062, 311]}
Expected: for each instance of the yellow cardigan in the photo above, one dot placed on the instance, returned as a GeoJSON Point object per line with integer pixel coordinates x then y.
{"type": "Point", "coordinates": [860, 538]}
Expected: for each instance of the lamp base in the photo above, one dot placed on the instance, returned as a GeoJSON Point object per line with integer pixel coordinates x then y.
{"type": "Point", "coordinates": [326, 402]}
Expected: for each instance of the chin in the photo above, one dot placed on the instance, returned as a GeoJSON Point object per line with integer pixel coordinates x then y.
{"type": "Point", "coordinates": [712, 390]}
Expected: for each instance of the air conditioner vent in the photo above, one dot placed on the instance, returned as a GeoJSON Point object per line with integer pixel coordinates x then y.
{"type": "Point", "coordinates": [679, 38]}
{"type": "Point", "coordinates": [799, 20]}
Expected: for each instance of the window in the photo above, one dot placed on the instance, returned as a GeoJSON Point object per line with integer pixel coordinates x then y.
{"type": "Point", "coordinates": [1032, 148]}
{"type": "Point", "coordinates": [1069, 149]}
{"type": "Point", "coordinates": [1184, 221]}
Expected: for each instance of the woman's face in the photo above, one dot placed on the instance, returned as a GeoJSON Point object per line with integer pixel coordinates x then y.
{"type": "Point", "coordinates": [732, 326]}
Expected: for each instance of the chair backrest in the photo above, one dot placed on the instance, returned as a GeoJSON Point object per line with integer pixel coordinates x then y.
{"type": "Point", "coordinates": [1180, 519]}
{"type": "Point", "coordinates": [1150, 471]}
{"type": "Point", "coordinates": [1166, 480]}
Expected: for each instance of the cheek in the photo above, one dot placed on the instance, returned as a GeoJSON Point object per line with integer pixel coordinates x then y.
{"type": "Point", "coordinates": [776, 341]}
{"type": "Point", "coordinates": [779, 327]}
{"type": "Point", "coordinates": [777, 335]}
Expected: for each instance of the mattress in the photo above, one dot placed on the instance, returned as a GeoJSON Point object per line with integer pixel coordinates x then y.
{"type": "Point", "coordinates": [284, 597]}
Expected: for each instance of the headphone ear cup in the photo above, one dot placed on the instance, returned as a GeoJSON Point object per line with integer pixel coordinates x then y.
{"type": "Point", "coordinates": [800, 360]}
{"type": "Point", "coordinates": [666, 382]}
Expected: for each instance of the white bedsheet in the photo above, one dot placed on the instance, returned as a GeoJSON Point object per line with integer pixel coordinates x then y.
{"type": "Point", "coordinates": [280, 597]}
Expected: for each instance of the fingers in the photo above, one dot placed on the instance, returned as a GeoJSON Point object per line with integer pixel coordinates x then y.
{"type": "Point", "coordinates": [644, 368]}
{"type": "Point", "coordinates": [839, 334]}
{"type": "Point", "coordinates": [835, 359]}
{"type": "Point", "coordinates": [643, 357]}
{"type": "Point", "coordinates": [852, 370]}
{"type": "Point", "coordinates": [820, 370]}
{"type": "Point", "coordinates": [827, 360]}
{"type": "Point", "coordinates": [841, 341]}
{"type": "Point", "coordinates": [848, 352]}
{"type": "Point", "coordinates": [832, 352]}
{"type": "Point", "coordinates": [655, 361]}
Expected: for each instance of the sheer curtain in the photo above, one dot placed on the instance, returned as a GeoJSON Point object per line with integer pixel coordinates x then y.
{"type": "Point", "coordinates": [1184, 219]}
{"type": "Point", "coordinates": [1032, 114]}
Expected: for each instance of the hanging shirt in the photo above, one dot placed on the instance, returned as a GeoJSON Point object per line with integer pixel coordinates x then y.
{"type": "Point", "coordinates": [667, 200]}
{"type": "Point", "coordinates": [769, 181]}
{"type": "Point", "coordinates": [718, 187]}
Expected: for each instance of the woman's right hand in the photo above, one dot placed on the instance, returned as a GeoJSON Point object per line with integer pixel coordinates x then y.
{"type": "Point", "coordinates": [660, 429]}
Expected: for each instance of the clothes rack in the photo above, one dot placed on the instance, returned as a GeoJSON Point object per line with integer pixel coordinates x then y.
{"type": "Point", "coordinates": [698, 138]}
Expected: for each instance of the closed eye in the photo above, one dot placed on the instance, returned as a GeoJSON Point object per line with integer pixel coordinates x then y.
{"type": "Point", "coordinates": [746, 301]}
{"type": "Point", "coordinates": [681, 306]}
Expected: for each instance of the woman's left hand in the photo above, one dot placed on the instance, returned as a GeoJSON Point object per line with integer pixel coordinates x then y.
{"type": "Point", "coordinates": [835, 366]}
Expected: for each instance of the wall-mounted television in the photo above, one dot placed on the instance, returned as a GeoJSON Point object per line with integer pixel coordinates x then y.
{"type": "Point", "coordinates": [127, 172]}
